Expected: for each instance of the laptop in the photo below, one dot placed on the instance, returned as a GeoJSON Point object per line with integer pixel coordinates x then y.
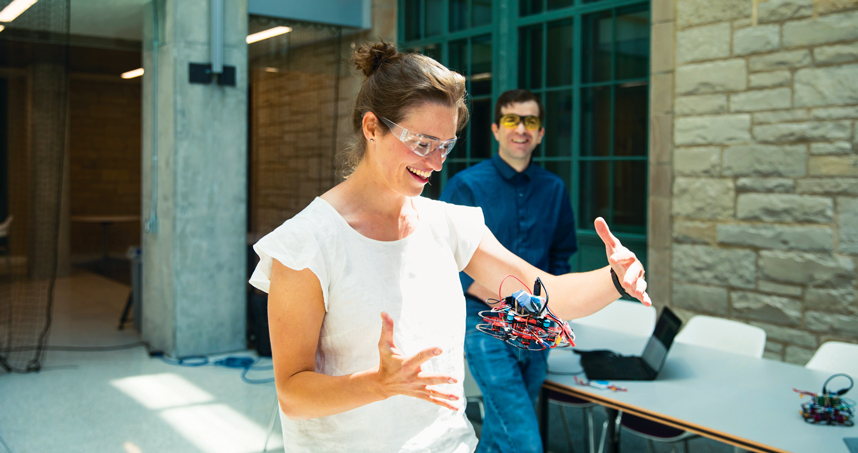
{"type": "Point", "coordinates": [610, 366]}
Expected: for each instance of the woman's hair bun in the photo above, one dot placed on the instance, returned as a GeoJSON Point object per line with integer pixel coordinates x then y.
{"type": "Point", "coordinates": [369, 58]}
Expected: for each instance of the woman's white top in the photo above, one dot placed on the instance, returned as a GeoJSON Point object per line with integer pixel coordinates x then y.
{"type": "Point", "coordinates": [416, 281]}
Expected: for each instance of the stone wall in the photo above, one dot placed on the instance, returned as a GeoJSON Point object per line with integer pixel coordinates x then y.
{"type": "Point", "coordinates": [764, 200]}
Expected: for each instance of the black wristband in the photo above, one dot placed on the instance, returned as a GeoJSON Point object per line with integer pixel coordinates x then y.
{"type": "Point", "coordinates": [619, 287]}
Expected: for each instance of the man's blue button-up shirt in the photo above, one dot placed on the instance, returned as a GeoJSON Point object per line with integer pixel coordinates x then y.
{"type": "Point", "coordinates": [528, 212]}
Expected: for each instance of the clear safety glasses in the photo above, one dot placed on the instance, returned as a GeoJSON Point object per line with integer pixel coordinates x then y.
{"type": "Point", "coordinates": [422, 145]}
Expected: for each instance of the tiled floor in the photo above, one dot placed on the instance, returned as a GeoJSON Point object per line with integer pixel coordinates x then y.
{"type": "Point", "coordinates": [125, 401]}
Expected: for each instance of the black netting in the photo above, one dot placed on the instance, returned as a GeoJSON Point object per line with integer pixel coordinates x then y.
{"type": "Point", "coordinates": [34, 93]}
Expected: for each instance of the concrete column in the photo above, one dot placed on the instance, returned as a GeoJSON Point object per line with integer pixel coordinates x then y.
{"type": "Point", "coordinates": [194, 256]}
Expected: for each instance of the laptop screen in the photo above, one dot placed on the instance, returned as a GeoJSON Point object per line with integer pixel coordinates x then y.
{"type": "Point", "coordinates": [659, 343]}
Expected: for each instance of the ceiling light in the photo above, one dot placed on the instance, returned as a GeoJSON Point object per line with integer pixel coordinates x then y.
{"type": "Point", "coordinates": [270, 33]}
{"type": "Point", "coordinates": [132, 74]}
{"type": "Point", "coordinates": [272, 70]}
{"type": "Point", "coordinates": [14, 9]}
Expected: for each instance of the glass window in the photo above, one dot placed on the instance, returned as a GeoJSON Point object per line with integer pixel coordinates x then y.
{"type": "Point", "coordinates": [530, 57]}
{"type": "Point", "coordinates": [434, 24]}
{"type": "Point", "coordinates": [632, 48]}
{"type": "Point", "coordinates": [598, 46]}
{"type": "Point", "coordinates": [412, 19]}
{"type": "Point", "coordinates": [631, 119]}
{"type": "Point", "coordinates": [458, 15]}
{"type": "Point", "coordinates": [481, 66]}
{"type": "Point", "coordinates": [482, 12]}
{"type": "Point", "coordinates": [529, 7]}
{"type": "Point", "coordinates": [558, 124]}
{"type": "Point", "coordinates": [560, 50]}
{"type": "Point", "coordinates": [557, 4]}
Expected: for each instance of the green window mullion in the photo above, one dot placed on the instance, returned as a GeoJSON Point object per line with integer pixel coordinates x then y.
{"type": "Point", "coordinates": [577, 60]}
{"type": "Point", "coordinates": [614, 82]}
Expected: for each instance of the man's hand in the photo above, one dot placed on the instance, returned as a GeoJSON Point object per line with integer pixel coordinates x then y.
{"type": "Point", "coordinates": [627, 266]}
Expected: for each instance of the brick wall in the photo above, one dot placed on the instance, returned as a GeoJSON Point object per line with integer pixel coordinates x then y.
{"type": "Point", "coordinates": [765, 167]}
{"type": "Point", "coordinates": [104, 150]}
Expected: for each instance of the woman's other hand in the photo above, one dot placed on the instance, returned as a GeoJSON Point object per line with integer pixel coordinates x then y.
{"type": "Point", "coordinates": [401, 375]}
{"type": "Point", "coordinates": [629, 269]}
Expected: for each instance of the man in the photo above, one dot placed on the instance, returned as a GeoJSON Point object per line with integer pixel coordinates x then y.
{"type": "Point", "coordinates": [528, 210]}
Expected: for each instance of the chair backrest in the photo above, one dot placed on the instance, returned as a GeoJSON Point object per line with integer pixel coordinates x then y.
{"type": "Point", "coordinates": [4, 227]}
{"type": "Point", "coordinates": [725, 335]}
{"type": "Point", "coordinates": [630, 317]}
{"type": "Point", "coordinates": [836, 357]}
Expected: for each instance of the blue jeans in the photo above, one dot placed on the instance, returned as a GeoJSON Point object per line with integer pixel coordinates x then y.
{"type": "Point", "coordinates": [510, 379]}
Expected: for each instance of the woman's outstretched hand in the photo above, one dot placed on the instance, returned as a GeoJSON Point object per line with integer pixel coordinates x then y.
{"type": "Point", "coordinates": [401, 375]}
{"type": "Point", "coordinates": [627, 266]}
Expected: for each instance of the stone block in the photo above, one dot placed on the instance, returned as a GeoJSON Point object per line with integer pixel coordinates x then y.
{"type": "Point", "coordinates": [763, 38]}
{"type": "Point", "coordinates": [780, 116]}
{"type": "Point", "coordinates": [756, 100]}
{"type": "Point", "coordinates": [784, 208]}
{"type": "Point", "coordinates": [771, 355]}
{"type": "Point", "coordinates": [847, 225]}
{"type": "Point", "coordinates": [807, 131]}
{"type": "Point", "coordinates": [781, 10]}
{"type": "Point", "coordinates": [769, 79]}
{"type": "Point", "coordinates": [833, 166]}
{"type": "Point", "coordinates": [662, 43]}
{"type": "Point", "coordinates": [780, 60]}
{"type": "Point", "coordinates": [779, 237]}
{"type": "Point", "coordinates": [697, 12]}
{"type": "Point", "coordinates": [765, 160]}
{"type": "Point", "coordinates": [707, 42]}
{"type": "Point", "coordinates": [831, 148]}
{"type": "Point", "coordinates": [801, 268]}
{"type": "Point", "coordinates": [774, 347]}
{"type": "Point", "coordinates": [779, 288]}
{"type": "Point", "coordinates": [817, 321]}
{"type": "Point", "coordinates": [705, 299]}
{"type": "Point", "coordinates": [694, 232]}
{"type": "Point", "coordinates": [714, 266]}
{"type": "Point", "coordinates": [821, 30]}
{"type": "Point", "coordinates": [830, 6]}
{"type": "Point", "coordinates": [713, 130]}
{"type": "Point", "coordinates": [834, 113]}
{"type": "Point", "coordinates": [714, 77]}
{"type": "Point", "coordinates": [663, 11]}
{"type": "Point", "coordinates": [661, 93]}
{"type": "Point", "coordinates": [787, 335]}
{"type": "Point", "coordinates": [764, 185]}
{"type": "Point", "coordinates": [831, 85]}
{"type": "Point", "coordinates": [797, 355]}
{"type": "Point", "coordinates": [828, 186]}
{"type": "Point", "coordinates": [831, 300]}
{"type": "Point", "coordinates": [703, 198]}
{"type": "Point", "coordinates": [766, 307]}
{"type": "Point", "coordinates": [699, 161]}
{"type": "Point", "coordinates": [660, 138]}
{"type": "Point", "coordinates": [836, 54]}
{"type": "Point", "coordinates": [701, 104]}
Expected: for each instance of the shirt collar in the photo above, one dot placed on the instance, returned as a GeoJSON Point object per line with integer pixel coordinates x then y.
{"type": "Point", "coordinates": [507, 172]}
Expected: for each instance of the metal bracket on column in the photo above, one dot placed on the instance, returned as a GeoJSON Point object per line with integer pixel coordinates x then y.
{"type": "Point", "coordinates": [202, 73]}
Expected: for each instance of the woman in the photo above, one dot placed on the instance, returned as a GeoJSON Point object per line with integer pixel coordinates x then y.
{"type": "Point", "coordinates": [371, 245]}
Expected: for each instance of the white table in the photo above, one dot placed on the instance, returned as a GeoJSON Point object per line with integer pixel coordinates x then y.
{"type": "Point", "coordinates": [734, 399]}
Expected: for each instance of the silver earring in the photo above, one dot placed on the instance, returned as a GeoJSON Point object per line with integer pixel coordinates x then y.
{"type": "Point", "coordinates": [371, 141]}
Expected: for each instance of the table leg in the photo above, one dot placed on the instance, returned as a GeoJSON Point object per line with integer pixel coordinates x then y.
{"type": "Point", "coordinates": [104, 226]}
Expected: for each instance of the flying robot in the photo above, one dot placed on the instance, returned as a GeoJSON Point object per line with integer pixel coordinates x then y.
{"type": "Point", "coordinates": [524, 320]}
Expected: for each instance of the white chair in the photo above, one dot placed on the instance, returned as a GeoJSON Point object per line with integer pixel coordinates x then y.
{"type": "Point", "coordinates": [629, 317]}
{"type": "Point", "coordinates": [836, 357]}
{"type": "Point", "coordinates": [716, 333]}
